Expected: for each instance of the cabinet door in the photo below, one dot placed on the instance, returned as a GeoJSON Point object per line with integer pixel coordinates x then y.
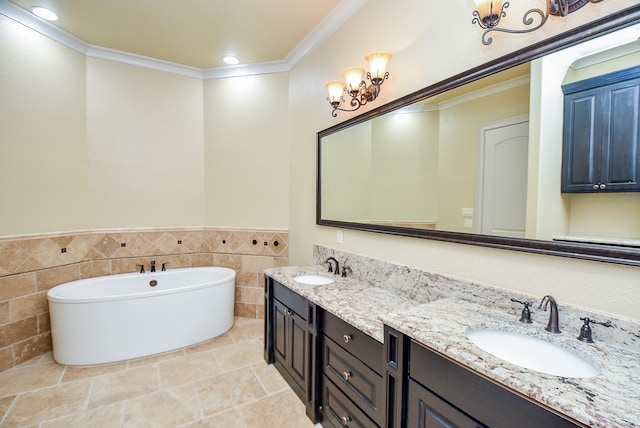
{"type": "Point", "coordinates": [427, 410]}
{"type": "Point", "coordinates": [621, 137]}
{"type": "Point", "coordinates": [581, 150]}
{"type": "Point", "coordinates": [290, 343]}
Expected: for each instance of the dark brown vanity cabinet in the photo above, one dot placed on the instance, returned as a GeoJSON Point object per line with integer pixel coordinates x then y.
{"type": "Point", "coordinates": [601, 140]}
{"type": "Point", "coordinates": [353, 390]}
{"type": "Point", "coordinates": [441, 393]}
{"type": "Point", "coordinates": [291, 341]}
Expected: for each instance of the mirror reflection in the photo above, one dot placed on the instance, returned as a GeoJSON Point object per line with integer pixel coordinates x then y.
{"type": "Point", "coordinates": [483, 158]}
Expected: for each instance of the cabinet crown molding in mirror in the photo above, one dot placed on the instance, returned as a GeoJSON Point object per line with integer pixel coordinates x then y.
{"type": "Point", "coordinates": [439, 164]}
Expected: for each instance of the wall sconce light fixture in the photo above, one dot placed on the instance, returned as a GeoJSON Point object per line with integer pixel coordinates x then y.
{"type": "Point", "coordinates": [356, 87]}
{"type": "Point", "coordinates": [489, 12]}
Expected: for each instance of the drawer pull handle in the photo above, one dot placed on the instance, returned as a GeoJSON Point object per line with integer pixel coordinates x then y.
{"type": "Point", "coordinates": [346, 338]}
{"type": "Point", "coordinates": [345, 420]}
{"type": "Point", "coordinates": [346, 376]}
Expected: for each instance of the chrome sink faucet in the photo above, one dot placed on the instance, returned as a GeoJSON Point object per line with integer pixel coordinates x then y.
{"type": "Point", "coordinates": [337, 269]}
{"type": "Point", "coordinates": [552, 326]}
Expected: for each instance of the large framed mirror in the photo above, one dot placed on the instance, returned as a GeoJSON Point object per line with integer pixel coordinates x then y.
{"type": "Point", "coordinates": [433, 164]}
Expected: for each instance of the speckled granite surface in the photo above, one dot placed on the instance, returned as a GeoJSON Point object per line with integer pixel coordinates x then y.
{"type": "Point", "coordinates": [608, 400]}
{"type": "Point", "coordinates": [437, 311]}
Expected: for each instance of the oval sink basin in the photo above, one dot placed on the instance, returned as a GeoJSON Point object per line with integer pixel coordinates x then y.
{"type": "Point", "coordinates": [314, 279]}
{"type": "Point", "coordinates": [534, 354]}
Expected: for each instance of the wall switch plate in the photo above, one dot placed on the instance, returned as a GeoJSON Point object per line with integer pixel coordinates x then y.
{"type": "Point", "coordinates": [467, 212]}
{"type": "Point", "coordinates": [339, 237]}
{"type": "Point", "coordinates": [468, 223]}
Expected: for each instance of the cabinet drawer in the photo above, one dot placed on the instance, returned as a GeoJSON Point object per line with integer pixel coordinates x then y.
{"type": "Point", "coordinates": [354, 341]}
{"type": "Point", "coordinates": [483, 400]}
{"type": "Point", "coordinates": [428, 410]}
{"type": "Point", "coordinates": [291, 299]}
{"type": "Point", "coordinates": [357, 381]}
{"type": "Point", "coordinates": [338, 411]}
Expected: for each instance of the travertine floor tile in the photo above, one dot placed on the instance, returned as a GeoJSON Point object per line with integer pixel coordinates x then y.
{"type": "Point", "coordinates": [187, 369]}
{"type": "Point", "coordinates": [269, 377]}
{"type": "Point", "coordinates": [242, 354]}
{"type": "Point", "coordinates": [29, 377]}
{"type": "Point", "coordinates": [123, 385]}
{"type": "Point", "coordinates": [77, 373]}
{"type": "Point", "coordinates": [166, 408]}
{"type": "Point", "coordinates": [222, 340]}
{"type": "Point", "coordinates": [102, 417]}
{"type": "Point", "coordinates": [139, 362]}
{"type": "Point", "coordinates": [228, 419]}
{"type": "Point", "coordinates": [268, 412]}
{"type": "Point", "coordinates": [223, 382]}
{"type": "Point", "coordinates": [227, 390]}
{"type": "Point", "coordinates": [248, 330]}
{"type": "Point", "coordinates": [48, 403]}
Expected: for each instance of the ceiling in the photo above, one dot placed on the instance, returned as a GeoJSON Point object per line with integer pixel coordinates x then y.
{"type": "Point", "coordinates": [196, 33]}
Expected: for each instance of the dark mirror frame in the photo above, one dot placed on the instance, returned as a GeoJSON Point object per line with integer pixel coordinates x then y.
{"type": "Point", "coordinates": [596, 252]}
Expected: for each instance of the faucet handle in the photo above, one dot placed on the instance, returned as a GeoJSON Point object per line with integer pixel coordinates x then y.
{"type": "Point", "coordinates": [344, 270]}
{"type": "Point", "coordinates": [526, 313]}
{"type": "Point", "coordinates": [163, 269]}
{"type": "Point", "coordinates": [585, 331]}
{"type": "Point", "coordinates": [141, 268]}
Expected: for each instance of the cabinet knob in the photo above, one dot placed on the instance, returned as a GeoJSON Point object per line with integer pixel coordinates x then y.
{"type": "Point", "coordinates": [596, 187]}
{"type": "Point", "coordinates": [603, 186]}
{"type": "Point", "coordinates": [346, 338]}
{"type": "Point", "coordinates": [346, 376]}
{"type": "Point", "coordinates": [345, 420]}
{"type": "Point", "coordinates": [287, 312]}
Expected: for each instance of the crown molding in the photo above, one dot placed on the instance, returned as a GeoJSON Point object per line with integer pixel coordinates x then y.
{"type": "Point", "coordinates": [330, 23]}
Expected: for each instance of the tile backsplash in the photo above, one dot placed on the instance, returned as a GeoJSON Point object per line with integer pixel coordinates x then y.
{"type": "Point", "coordinates": [31, 265]}
{"type": "Point", "coordinates": [423, 286]}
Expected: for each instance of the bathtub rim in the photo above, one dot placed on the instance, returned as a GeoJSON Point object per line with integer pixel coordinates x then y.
{"type": "Point", "coordinates": [149, 293]}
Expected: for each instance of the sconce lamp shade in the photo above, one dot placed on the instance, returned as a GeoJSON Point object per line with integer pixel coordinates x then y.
{"type": "Point", "coordinates": [378, 64]}
{"type": "Point", "coordinates": [335, 88]}
{"type": "Point", "coordinates": [354, 77]}
{"type": "Point", "coordinates": [489, 11]}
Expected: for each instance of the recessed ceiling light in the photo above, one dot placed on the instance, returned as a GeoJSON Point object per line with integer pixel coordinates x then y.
{"type": "Point", "coordinates": [231, 60]}
{"type": "Point", "coordinates": [44, 13]}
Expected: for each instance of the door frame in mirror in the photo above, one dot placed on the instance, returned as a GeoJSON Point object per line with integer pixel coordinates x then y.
{"type": "Point", "coordinates": [594, 252]}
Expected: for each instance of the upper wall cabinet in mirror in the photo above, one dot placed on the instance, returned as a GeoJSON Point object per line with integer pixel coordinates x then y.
{"type": "Point", "coordinates": [478, 158]}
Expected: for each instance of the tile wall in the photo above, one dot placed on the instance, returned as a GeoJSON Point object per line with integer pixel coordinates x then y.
{"type": "Point", "coordinates": [31, 265]}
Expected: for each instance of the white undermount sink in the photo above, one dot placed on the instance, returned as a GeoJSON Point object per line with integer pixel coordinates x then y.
{"type": "Point", "coordinates": [532, 353]}
{"type": "Point", "coordinates": [314, 279]}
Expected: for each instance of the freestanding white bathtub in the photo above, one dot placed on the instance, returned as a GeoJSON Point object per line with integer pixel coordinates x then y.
{"type": "Point", "coordinates": [121, 317]}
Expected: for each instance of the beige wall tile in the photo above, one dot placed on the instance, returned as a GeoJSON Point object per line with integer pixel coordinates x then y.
{"type": "Point", "coordinates": [256, 264]}
{"type": "Point", "coordinates": [228, 260]}
{"type": "Point", "coordinates": [17, 331]}
{"type": "Point", "coordinates": [201, 260]}
{"type": "Point", "coordinates": [27, 306]}
{"type": "Point", "coordinates": [17, 285]}
{"type": "Point", "coordinates": [4, 312]}
{"type": "Point", "coordinates": [32, 347]}
{"type": "Point", "coordinates": [249, 295]}
{"type": "Point", "coordinates": [245, 310]}
{"type": "Point", "coordinates": [49, 278]}
{"type": "Point", "coordinates": [44, 323]}
{"type": "Point", "coordinates": [6, 358]}
{"type": "Point", "coordinates": [95, 268]}
{"type": "Point", "coordinates": [250, 279]}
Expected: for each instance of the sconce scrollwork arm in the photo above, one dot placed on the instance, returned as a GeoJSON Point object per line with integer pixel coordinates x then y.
{"type": "Point", "coordinates": [362, 96]}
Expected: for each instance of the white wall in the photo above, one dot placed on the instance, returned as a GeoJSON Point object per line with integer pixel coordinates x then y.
{"type": "Point", "coordinates": [420, 37]}
{"type": "Point", "coordinates": [246, 151]}
{"type": "Point", "coordinates": [43, 153]}
{"type": "Point", "coordinates": [145, 144]}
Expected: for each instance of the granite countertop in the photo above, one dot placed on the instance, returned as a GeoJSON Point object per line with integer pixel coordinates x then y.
{"type": "Point", "coordinates": [607, 400]}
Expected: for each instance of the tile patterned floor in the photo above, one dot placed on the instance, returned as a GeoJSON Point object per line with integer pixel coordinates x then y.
{"type": "Point", "coordinates": [220, 383]}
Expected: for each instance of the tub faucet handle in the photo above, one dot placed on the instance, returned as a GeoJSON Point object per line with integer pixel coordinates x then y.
{"type": "Point", "coordinates": [153, 265]}
{"type": "Point", "coordinates": [141, 268]}
{"type": "Point", "coordinates": [163, 266]}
